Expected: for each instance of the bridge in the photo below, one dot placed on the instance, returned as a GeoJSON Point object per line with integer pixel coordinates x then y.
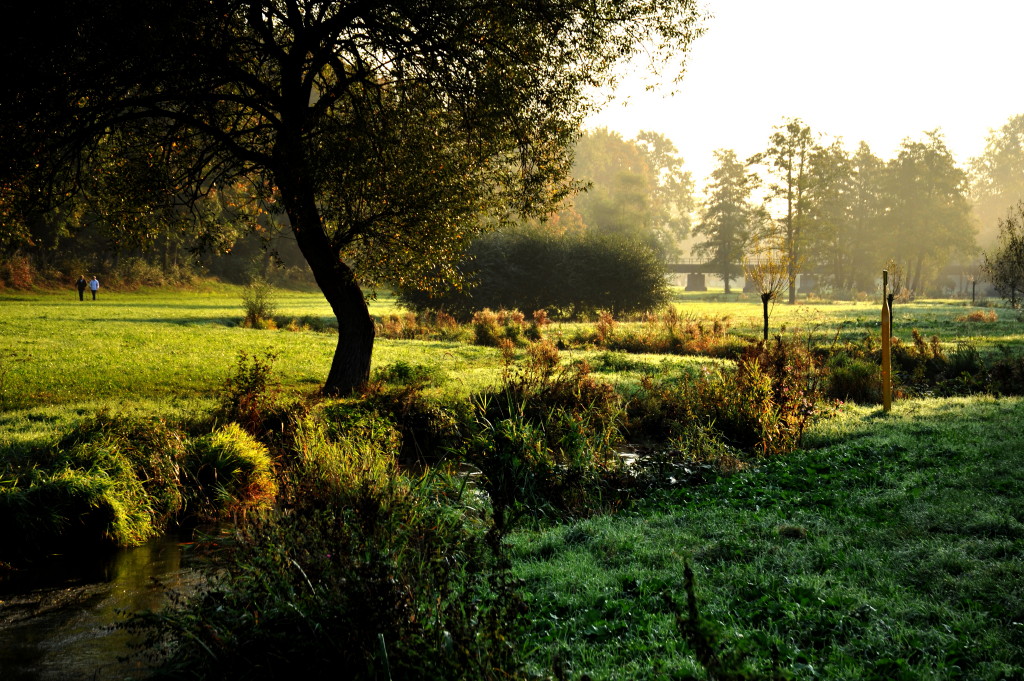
{"type": "Point", "coordinates": [697, 269]}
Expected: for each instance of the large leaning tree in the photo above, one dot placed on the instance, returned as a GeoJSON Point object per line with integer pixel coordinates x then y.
{"type": "Point", "coordinates": [389, 132]}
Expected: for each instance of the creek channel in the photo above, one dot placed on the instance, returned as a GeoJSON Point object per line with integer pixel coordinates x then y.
{"type": "Point", "coordinates": [57, 623]}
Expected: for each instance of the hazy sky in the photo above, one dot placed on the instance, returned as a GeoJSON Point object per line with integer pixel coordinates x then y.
{"type": "Point", "coordinates": [872, 70]}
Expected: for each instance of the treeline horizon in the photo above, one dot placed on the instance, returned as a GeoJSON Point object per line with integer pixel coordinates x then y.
{"type": "Point", "coordinates": [807, 198]}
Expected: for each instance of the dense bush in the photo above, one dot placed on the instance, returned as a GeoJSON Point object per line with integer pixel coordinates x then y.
{"type": "Point", "coordinates": [545, 439]}
{"type": "Point", "coordinates": [566, 275]}
{"type": "Point", "coordinates": [250, 396]}
{"type": "Point", "coordinates": [258, 302]}
{"type": "Point", "coordinates": [362, 572]}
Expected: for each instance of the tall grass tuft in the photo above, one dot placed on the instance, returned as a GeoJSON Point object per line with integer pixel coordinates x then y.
{"type": "Point", "coordinates": [111, 481]}
{"type": "Point", "coordinates": [228, 473]}
{"type": "Point", "coordinates": [545, 439]}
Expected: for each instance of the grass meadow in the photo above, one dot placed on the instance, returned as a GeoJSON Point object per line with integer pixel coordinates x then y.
{"type": "Point", "coordinates": [885, 547]}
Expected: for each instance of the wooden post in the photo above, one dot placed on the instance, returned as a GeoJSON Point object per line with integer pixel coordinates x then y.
{"type": "Point", "coordinates": [886, 349]}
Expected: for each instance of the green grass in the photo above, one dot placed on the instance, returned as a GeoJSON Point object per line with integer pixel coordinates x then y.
{"type": "Point", "coordinates": [163, 347]}
{"type": "Point", "coordinates": [892, 548]}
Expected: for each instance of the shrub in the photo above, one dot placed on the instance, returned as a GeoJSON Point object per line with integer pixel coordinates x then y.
{"type": "Point", "coordinates": [405, 374]}
{"type": "Point", "coordinates": [855, 379]}
{"type": "Point", "coordinates": [258, 303]}
{"type": "Point", "coordinates": [429, 431]}
{"type": "Point", "coordinates": [985, 316]}
{"type": "Point", "coordinates": [492, 328]}
{"type": "Point", "coordinates": [133, 272]}
{"type": "Point", "coordinates": [1004, 266]}
{"type": "Point", "coordinates": [17, 272]}
{"type": "Point", "coordinates": [249, 397]}
{"type": "Point", "coordinates": [761, 407]}
{"type": "Point", "coordinates": [1006, 374]}
{"type": "Point", "coordinates": [545, 439]}
{"type": "Point", "coordinates": [566, 276]}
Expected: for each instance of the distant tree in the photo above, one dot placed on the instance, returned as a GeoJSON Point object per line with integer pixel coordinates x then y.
{"type": "Point", "coordinates": [728, 216]}
{"type": "Point", "coordinates": [769, 270]}
{"type": "Point", "coordinates": [387, 133]}
{"type": "Point", "coordinates": [997, 177]}
{"type": "Point", "coordinates": [865, 233]}
{"type": "Point", "coordinates": [788, 159]}
{"type": "Point", "coordinates": [830, 243]}
{"type": "Point", "coordinates": [674, 198]}
{"type": "Point", "coordinates": [1004, 265]}
{"type": "Point", "coordinates": [635, 189]}
{"type": "Point", "coordinates": [928, 221]}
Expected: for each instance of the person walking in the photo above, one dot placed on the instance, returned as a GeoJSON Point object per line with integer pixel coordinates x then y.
{"type": "Point", "coordinates": [94, 286]}
{"type": "Point", "coordinates": [81, 287]}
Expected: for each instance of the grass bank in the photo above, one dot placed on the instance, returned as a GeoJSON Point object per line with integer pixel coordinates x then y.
{"type": "Point", "coordinates": [892, 547]}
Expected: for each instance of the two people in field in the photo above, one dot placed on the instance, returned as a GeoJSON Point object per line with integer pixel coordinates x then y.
{"type": "Point", "coordinates": [81, 284]}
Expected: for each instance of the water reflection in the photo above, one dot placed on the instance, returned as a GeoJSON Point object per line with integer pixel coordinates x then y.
{"type": "Point", "coordinates": [58, 625]}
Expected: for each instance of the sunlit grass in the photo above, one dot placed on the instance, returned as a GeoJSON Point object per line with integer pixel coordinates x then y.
{"type": "Point", "coordinates": [891, 549]}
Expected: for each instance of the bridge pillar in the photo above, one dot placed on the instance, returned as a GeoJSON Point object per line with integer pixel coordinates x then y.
{"type": "Point", "coordinates": [695, 282]}
{"type": "Point", "coordinates": [808, 283]}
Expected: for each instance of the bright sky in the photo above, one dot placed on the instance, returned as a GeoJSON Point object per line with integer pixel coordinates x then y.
{"type": "Point", "coordinates": [872, 70]}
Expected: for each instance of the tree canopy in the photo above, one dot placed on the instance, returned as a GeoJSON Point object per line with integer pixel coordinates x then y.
{"type": "Point", "coordinates": [387, 133]}
{"type": "Point", "coordinates": [635, 189]}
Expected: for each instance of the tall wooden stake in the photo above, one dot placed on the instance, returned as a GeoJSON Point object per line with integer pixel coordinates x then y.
{"type": "Point", "coordinates": [886, 349]}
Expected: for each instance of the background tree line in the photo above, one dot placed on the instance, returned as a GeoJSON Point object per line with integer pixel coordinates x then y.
{"type": "Point", "coordinates": [842, 214]}
{"type": "Point", "coordinates": [822, 207]}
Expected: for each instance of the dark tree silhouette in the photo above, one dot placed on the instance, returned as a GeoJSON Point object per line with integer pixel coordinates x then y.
{"type": "Point", "coordinates": [388, 132]}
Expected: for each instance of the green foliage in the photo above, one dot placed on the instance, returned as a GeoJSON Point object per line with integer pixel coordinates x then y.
{"type": "Point", "coordinates": [1004, 266]}
{"type": "Point", "coordinates": [250, 396]}
{"type": "Point", "coordinates": [66, 511]}
{"type": "Point", "coordinates": [431, 430]}
{"type": "Point", "coordinates": [883, 549]}
{"type": "Point", "coordinates": [228, 472]}
{"type": "Point", "coordinates": [259, 305]}
{"type": "Point", "coordinates": [111, 481]}
{"type": "Point", "coordinates": [365, 570]}
{"type": "Point", "coordinates": [148, 451]}
{"type": "Point", "coordinates": [545, 440]}
{"type": "Point", "coordinates": [569, 275]}
{"type": "Point", "coordinates": [403, 373]}
{"type": "Point", "coordinates": [997, 183]}
{"type": "Point", "coordinates": [637, 189]}
{"type": "Point", "coordinates": [853, 378]}
{"type": "Point", "coordinates": [761, 407]}
{"type": "Point", "coordinates": [728, 217]}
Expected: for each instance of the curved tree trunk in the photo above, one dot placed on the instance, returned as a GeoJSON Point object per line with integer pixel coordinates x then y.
{"type": "Point", "coordinates": [350, 368]}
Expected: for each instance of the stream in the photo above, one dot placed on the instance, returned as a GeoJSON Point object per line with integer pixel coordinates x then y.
{"type": "Point", "coordinates": [56, 624]}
